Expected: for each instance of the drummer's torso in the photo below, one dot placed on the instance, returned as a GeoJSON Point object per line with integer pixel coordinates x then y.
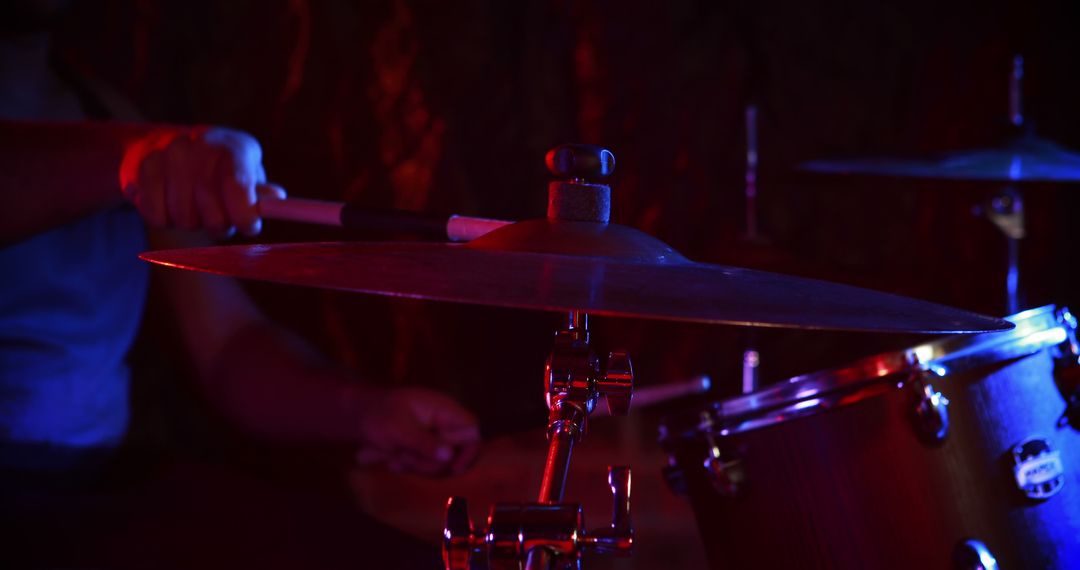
{"type": "Point", "coordinates": [69, 310]}
{"type": "Point", "coordinates": [71, 300]}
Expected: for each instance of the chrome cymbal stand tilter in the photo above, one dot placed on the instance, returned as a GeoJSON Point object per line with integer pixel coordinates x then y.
{"type": "Point", "coordinates": [550, 534]}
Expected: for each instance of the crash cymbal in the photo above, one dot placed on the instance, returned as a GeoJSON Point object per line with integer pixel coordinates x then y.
{"type": "Point", "coordinates": [603, 269]}
{"type": "Point", "coordinates": [1027, 158]}
{"type": "Point", "coordinates": [576, 261]}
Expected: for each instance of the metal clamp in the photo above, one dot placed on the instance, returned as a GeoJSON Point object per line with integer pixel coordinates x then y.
{"type": "Point", "coordinates": [575, 379]}
{"type": "Point", "coordinates": [1005, 209]}
{"type": "Point", "coordinates": [514, 530]}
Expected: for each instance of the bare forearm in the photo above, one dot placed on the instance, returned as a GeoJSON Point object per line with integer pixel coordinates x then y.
{"type": "Point", "coordinates": [54, 173]}
{"type": "Point", "coordinates": [274, 385]}
{"type": "Point", "coordinates": [264, 378]}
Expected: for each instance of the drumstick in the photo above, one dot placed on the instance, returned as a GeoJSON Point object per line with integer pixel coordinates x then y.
{"type": "Point", "coordinates": [654, 395]}
{"type": "Point", "coordinates": [454, 228]}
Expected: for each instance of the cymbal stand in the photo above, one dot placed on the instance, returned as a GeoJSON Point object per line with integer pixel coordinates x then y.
{"type": "Point", "coordinates": [550, 534]}
{"type": "Point", "coordinates": [751, 358]}
{"type": "Point", "coordinates": [1005, 209]}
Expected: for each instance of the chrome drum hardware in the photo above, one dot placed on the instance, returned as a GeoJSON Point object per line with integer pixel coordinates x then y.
{"type": "Point", "coordinates": [1038, 469]}
{"type": "Point", "coordinates": [514, 530]}
{"type": "Point", "coordinates": [829, 474]}
{"type": "Point", "coordinates": [931, 411]}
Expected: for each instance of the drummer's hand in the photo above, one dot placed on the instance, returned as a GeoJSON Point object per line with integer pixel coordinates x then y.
{"type": "Point", "coordinates": [199, 177]}
{"type": "Point", "coordinates": [417, 430]}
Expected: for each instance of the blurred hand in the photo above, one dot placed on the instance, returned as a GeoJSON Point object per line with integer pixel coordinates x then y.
{"type": "Point", "coordinates": [417, 430]}
{"type": "Point", "coordinates": [200, 177]}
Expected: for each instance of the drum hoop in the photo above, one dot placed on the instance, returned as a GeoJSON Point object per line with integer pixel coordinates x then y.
{"type": "Point", "coordinates": [812, 393]}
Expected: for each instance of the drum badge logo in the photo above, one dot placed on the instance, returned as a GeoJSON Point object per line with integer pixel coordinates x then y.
{"type": "Point", "coordinates": [1038, 469]}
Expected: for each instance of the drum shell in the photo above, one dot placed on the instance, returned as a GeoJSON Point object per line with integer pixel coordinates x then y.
{"type": "Point", "coordinates": [853, 487]}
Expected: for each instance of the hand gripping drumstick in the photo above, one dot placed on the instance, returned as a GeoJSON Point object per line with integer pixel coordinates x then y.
{"type": "Point", "coordinates": [454, 228]}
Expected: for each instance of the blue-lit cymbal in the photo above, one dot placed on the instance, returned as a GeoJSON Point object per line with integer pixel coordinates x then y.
{"type": "Point", "coordinates": [1027, 158]}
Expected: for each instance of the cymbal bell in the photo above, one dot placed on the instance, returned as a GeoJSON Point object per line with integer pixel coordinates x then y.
{"type": "Point", "coordinates": [602, 269]}
{"type": "Point", "coordinates": [1027, 158]}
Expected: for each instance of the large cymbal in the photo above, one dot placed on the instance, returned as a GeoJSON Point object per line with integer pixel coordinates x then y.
{"type": "Point", "coordinates": [1028, 158]}
{"type": "Point", "coordinates": [603, 269]}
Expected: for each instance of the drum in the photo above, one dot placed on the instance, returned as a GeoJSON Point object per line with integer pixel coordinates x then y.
{"type": "Point", "coordinates": [958, 453]}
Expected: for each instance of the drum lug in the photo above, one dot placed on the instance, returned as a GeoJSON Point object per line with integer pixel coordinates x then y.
{"type": "Point", "coordinates": [1067, 370]}
{"type": "Point", "coordinates": [1071, 416]}
{"type": "Point", "coordinates": [972, 554]}
{"type": "Point", "coordinates": [930, 415]}
{"type": "Point", "coordinates": [1070, 349]}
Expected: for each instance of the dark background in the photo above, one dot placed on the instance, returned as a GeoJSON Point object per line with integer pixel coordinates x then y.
{"type": "Point", "coordinates": [449, 107]}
